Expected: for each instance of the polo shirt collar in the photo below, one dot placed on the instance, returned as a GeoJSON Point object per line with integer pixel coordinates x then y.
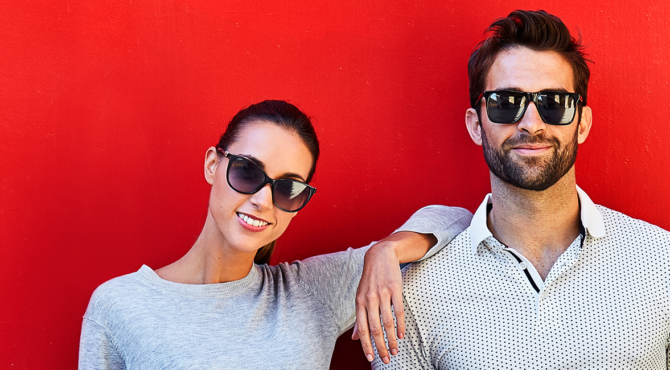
{"type": "Point", "coordinates": [592, 219]}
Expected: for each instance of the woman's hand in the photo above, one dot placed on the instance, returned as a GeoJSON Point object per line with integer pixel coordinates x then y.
{"type": "Point", "coordinates": [380, 289]}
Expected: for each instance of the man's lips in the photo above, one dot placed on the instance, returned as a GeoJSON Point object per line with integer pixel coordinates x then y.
{"type": "Point", "coordinates": [531, 149]}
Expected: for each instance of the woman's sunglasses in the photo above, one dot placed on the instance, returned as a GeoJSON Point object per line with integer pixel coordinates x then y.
{"type": "Point", "coordinates": [246, 177]}
{"type": "Point", "coordinates": [555, 107]}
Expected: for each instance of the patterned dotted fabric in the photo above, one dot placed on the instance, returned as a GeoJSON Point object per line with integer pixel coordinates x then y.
{"type": "Point", "coordinates": [608, 308]}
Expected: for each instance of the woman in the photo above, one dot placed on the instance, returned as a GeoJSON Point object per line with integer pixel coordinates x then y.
{"type": "Point", "coordinates": [215, 308]}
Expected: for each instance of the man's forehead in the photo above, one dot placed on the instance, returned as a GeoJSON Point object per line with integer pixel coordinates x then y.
{"type": "Point", "coordinates": [524, 69]}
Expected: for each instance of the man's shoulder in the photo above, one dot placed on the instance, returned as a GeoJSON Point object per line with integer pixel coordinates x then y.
{"type": "Point", "coordinates": [443, 263]}
{"type": "Point", "coordinates": [618, 223]}
{"type": "Point", "coordinates": [630, 241]}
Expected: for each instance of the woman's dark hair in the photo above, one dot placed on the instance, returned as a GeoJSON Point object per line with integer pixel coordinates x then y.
{"type": "Point", "coordinates": [536, 30]}
{"type": "Point", "coordinates": [282, 114]}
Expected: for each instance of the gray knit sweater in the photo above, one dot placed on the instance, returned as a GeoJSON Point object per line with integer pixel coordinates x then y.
{"type": "Point", "coordinates": [278, 317]}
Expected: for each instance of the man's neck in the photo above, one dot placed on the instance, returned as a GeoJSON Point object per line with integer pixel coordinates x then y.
{"type": "Point", "coordinates": [540, 225]}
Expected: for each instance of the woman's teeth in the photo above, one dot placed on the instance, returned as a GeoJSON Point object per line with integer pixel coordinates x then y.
{"type": "Point", "coordinates": [251, 221]}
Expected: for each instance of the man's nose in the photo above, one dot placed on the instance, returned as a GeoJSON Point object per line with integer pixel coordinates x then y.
{"type": "Point", "coordinates": [531, 122]}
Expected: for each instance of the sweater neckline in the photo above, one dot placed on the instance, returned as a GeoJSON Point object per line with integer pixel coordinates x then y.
{"type": "Point", "coordinates": [227, 289]}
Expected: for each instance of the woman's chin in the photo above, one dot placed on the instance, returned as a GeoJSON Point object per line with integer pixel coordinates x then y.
{"type": "Point", "coordinates": [248, 245]}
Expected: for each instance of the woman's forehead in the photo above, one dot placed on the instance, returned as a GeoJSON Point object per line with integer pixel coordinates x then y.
{"type": "Point", "coordinates": [281, 151]}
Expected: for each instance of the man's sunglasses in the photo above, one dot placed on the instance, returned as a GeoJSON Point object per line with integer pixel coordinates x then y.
{"type": "Point", "coordinates": [246, 177]}
{"type": "Point", "coordinates": [555, 107]}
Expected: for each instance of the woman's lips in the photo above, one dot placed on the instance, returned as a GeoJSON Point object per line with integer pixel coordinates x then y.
{"type": "Point", "coordinates": [251, 223]}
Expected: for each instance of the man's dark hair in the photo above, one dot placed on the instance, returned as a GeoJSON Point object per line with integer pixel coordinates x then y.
{"type": "Point", "coordinates": [536, 30]}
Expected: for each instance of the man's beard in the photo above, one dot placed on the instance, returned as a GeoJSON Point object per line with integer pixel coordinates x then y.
{"type": "Point", "coordinates": [530, 173]}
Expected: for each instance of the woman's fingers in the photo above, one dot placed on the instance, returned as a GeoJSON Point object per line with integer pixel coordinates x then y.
{"type": "Point", "coordinates": [363, 332]}
{"type": "Point", "coordinates": [369, 308]}
{"type": "Point", "coordinates": [379, 294]}
{"type": "Point", "coordinates": [389, 327]}
{"type": "Point", "coordinates": [399, 310]}
{"type": "Point", "coordinates": [376, 331]}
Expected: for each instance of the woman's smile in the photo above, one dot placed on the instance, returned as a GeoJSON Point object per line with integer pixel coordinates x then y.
{"type": "Point", "coordinates": [252, 223]}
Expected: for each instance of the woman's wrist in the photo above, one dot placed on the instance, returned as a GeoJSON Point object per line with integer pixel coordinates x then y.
{"type": "Point", "coordinates": [410, 246]}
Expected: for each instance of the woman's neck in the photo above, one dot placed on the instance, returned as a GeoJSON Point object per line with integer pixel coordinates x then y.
{"type": "Point", "coordinates": [209, 261]}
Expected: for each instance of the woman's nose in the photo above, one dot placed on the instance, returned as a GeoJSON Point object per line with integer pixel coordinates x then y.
{"type": "Point", "coordinates": [262, 199]}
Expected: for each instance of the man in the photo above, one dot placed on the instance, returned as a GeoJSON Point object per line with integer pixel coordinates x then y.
{"type": "Point", "coordinates": [542, 278]}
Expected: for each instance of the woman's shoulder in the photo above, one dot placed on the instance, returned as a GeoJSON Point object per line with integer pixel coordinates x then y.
{"type": "Point", "coordinates": [335, 260]}
{"type": "Point", "coordinates": [114, 294]}
{"type": "Point", "coordinates": [315, 272]}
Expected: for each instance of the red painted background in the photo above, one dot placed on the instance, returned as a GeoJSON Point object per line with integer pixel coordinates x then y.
{"type": "Point", "coordinates": [107, 108]}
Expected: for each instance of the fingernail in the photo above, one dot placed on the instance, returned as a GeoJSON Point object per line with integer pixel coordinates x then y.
{"type": "Point", "coordinates": [385, 359]}
{"type": "Point", "coordinates": [401, 335]}
{"type": "Point", "coordinates": [370, 357]}
{"type": "Point", "coordinates": [394, 352]}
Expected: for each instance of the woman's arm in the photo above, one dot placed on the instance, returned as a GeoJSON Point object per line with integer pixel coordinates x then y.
{"type": "Point", "coordinates": [97, 350]}
{"type": "Point", "coordinates": [333, 279]}
{"type": "Point", "coordinates": [380, 288]}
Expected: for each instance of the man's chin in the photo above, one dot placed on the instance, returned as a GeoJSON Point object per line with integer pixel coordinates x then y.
{"type": "Point", "coordinates": [530, 163]}
{"type": "Point", "coordinates": [535, 186]}
{"type": "Point", "coordinates": [530, 179]}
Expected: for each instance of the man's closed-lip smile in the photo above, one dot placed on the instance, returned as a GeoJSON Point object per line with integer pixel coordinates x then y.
{"type": "Point", "coordinates": [531, 149]}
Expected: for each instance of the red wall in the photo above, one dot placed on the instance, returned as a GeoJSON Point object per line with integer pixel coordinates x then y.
{"type": "Point", "coordinates": [108, 108]}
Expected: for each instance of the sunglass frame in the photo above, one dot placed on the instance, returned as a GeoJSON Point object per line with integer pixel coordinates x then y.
{"type": "Point", "coordinates": [267, 180]}
{"type": "Point", "coordinates": [531, 97]}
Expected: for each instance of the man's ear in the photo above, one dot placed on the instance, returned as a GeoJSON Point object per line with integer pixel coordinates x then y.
{"type": "Point", "coordinates": [584, 124]}
{"type": "Point", "coordinates": [473, 125]}
{"type": "Point", "coordinates": [211, 163]}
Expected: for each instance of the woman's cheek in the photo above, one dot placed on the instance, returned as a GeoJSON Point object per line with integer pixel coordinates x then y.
{"type": "Point", "coordinates": [283, 220]}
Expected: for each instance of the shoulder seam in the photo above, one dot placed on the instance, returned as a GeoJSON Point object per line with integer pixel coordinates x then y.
{"type": "Point", "coordinates": [111, 338]}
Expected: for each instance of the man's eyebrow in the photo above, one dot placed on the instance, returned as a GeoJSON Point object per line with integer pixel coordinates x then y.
{"type": "Point", "coordinates": [558, 89]}
{"type": "Point", "coordinates": [260, 164]}
{"type": "Point", "coordinates": [515, 88]}
{"type": "Point", "coordinates": [507, 88]}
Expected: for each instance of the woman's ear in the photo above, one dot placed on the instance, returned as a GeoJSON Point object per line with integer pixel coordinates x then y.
{"type": "Point", "coordinates": [211, 163]}
{"type": "Point", "coordinates": [473, 125]}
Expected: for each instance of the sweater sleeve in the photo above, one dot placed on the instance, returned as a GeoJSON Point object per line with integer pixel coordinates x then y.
{"type": "Point", "coordinates": [333, 278]}
{"type": "Point", "coordinates": [445, 223]}
{"type": "Point", "coordinates": [97, 350]}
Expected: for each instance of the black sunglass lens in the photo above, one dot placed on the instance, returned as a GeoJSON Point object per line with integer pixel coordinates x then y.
{"type": "Point", "coordinates": [505, 107]}
{"type": "Point", "coordinates": [557, 108]}
{"type": "Point", "coordinates": [290, 195]}
{"type": "Point", "coordinates": [244, 175]}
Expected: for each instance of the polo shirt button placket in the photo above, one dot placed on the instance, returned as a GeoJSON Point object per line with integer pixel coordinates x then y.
{"type": "Point", "coordinates": [538, 309]}
{"type": "Point", "coordinates": [546, 322]}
